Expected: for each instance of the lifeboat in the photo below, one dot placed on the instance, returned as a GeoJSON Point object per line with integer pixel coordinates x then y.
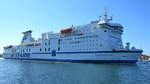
{"type": "Point", "coordinates": [69, 30]}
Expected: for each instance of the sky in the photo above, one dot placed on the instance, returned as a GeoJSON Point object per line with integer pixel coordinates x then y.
{"type": "Point", "coordinates": [41, 16]}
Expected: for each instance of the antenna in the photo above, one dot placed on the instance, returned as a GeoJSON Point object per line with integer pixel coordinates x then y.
{"type": "Point", "coordinates": [111, 17]}
{"type": "Point", "coordinates": [106, 10]}
{"type": "Point", "coordinates": [72, 26]}
{"type": "Point", "coordinates": [100, 17]}
{"type": "Point", "coordinates": [104, 19]}
{"type": "Point", "coordinates": [105, 13]}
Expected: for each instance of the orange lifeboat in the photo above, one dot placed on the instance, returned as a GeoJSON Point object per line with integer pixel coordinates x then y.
{"type": "Point", "coordinates": [69, 30]}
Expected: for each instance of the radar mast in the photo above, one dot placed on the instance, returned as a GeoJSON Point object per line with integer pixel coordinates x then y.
{"type": "Point", "coordinates": [104, 19]}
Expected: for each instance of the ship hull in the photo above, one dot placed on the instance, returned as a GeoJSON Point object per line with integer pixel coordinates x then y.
{"type": "Point", "coordinates": [80, 57]}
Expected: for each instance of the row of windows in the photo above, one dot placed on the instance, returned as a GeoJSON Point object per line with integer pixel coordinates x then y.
{"type": "Point", "coordinates": [79, 47]}
{"type": "Point", "coordinates": [47, 43]}
{"type": "Point", "coordinates": [85, 37]}
{"type": "Point", "coordinates": [75, 42]}
{"type": "Point", "coordinates": [86, 47]}
{"type": "Point", "coordinates": [83, 41]}
{"type": "Point", "coordinates": [89, 45]}
{"type": "Point", "coordinates": [46, 49]}
{"type": "Point", "coordinates": [59, 41]}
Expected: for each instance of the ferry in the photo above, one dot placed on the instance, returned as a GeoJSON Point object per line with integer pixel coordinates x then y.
{"type": "Point", "coordinates": [99, 41]}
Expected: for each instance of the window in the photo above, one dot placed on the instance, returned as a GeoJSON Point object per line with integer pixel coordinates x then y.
{"type": "Point", "coordinates": [48, 42]}
{"type": "Point", "coordinates": [48, 49]}
{"type": "Point", "coordinates": [105, 30]}
{"type": "Point", "coordinates": [45, 49]}
{"type": "Point", "coordinates": [45, 43]}
{"type": "Point", "coordinates": [29, 50]}
{"type": "Point", "coordinates": [58, 48]}
{"type": "Point", "coordinates": [100, 45]}
{"type": "Point", "coordinates": [59, 41]}
{"type": "Point", "coordinates": [40, 49]}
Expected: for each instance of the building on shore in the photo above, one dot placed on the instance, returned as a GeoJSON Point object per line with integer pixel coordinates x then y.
{"type": "Point", "coordinates": [145, 57]}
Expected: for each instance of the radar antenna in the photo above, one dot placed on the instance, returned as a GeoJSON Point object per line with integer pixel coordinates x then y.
{"type": "Point", "coordinates": [105, 19]}
{"type": "Point", "coordinates": [106, 16]}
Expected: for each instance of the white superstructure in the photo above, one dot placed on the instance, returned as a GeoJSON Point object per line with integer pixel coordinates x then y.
{"type": "Point", "coordinates": [97, 42]}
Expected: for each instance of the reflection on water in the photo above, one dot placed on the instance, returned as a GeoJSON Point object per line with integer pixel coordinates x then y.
{"type": "Point", "coordinates": [25, 72]}
{"type": "Point", "coordinates": [145, 72]}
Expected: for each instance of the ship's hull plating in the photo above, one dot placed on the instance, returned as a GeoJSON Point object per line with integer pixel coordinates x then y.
{"type": "Point", "coordinates": [80, 57]}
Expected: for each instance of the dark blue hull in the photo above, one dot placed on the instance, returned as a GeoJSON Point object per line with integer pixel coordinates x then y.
{"type": "Point", "coordinates": [80, 61]}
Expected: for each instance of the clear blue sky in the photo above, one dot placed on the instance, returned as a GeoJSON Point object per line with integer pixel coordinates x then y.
{"type": "Point", "coordinates": [40, 16]}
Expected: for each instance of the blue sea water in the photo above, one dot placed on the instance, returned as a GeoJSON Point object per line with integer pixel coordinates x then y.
{"type": "Point", "coordinates": [32, 72]}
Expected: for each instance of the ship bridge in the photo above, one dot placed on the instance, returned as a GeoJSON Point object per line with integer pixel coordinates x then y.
{"type": "Point", "coordinates": [27, 37]}
{"type": "Point", "coordinates": [106, 24]}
